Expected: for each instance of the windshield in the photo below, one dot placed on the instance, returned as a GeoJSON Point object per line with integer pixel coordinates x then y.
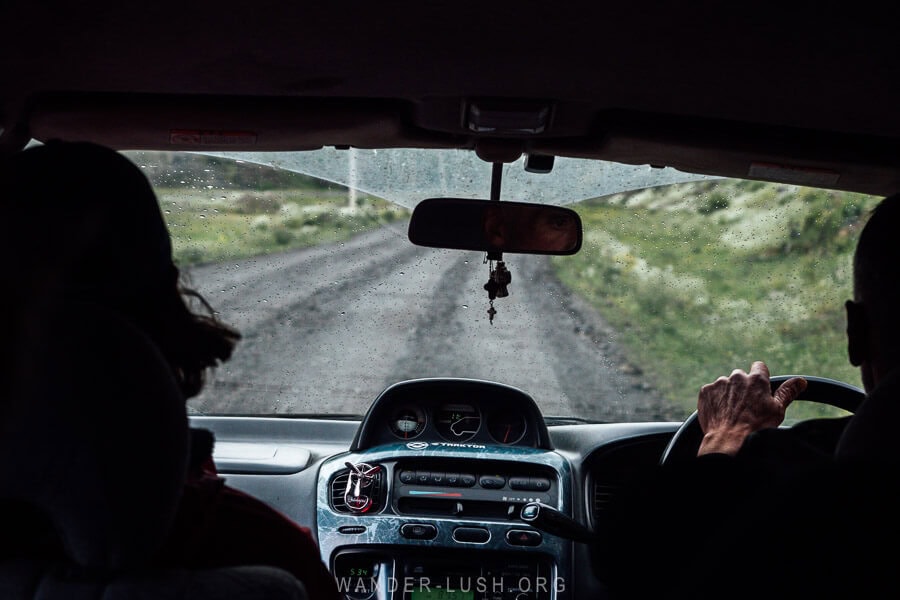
{"type": "Point", "coordinates": [680, 279]}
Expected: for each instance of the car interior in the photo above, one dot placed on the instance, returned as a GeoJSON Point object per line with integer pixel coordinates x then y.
{"type": "Point", "coordinates": [435, 475]}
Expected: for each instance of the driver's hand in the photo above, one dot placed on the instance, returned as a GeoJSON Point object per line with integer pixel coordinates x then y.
{"type": "Point", "coordinates": [731, 408]}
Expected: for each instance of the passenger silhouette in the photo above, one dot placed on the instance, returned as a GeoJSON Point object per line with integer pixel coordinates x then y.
{"type": "Point", "coordinates": [85, 234]}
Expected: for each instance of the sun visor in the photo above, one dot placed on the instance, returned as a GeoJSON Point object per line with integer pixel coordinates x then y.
{"type": "Point", "coordinates": [857, 163]}
{"type": "Point", "coordinates": [216, 124]}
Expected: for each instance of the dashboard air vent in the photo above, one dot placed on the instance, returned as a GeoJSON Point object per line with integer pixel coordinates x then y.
{"type": "Point", "coordinates": [602, 496]}
{"type": "Point", "coordinates": [360, 495]}
{"type": "Point", "coordinates": [614, 469]}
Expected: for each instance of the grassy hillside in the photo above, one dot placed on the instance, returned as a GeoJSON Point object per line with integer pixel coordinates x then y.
{"type": "Point", "coordinates": [703, 278]}
{"type": "Point", "coordinates": [245, 223]}
{"type": "Point", "coordinates": [219, 209]}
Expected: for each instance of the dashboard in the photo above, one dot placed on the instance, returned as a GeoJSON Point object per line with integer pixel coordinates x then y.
{"type": "Point", "coordinates": [423, 498]}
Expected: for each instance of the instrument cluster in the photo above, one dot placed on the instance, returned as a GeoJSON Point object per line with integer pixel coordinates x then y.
{"type": "Point", "coordinates": [453, 411]}
{"type": "Point", "coordinates": [458, 422]}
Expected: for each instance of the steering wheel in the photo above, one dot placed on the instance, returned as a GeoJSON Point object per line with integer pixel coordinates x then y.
{"type": "Point", "coordinates": [684, 444]}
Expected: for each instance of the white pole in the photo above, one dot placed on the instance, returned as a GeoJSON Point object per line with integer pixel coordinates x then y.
{"type": "Point", "coordinates": [351, 177]}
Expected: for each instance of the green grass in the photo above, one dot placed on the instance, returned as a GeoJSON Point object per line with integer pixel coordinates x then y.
{"type": "Point", "coordinates": [212, 225]}
{"type": "Point", "coordinates": [702, 278]}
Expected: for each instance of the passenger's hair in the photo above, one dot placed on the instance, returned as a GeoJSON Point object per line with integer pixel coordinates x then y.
{"type": "Point", "coordinates": [191, 340]}
{"type": "Point", "coordinates": [84, 225]}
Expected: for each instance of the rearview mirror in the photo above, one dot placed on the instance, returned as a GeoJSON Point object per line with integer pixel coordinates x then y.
{"type": "Point", "coordinates": [485, 225]}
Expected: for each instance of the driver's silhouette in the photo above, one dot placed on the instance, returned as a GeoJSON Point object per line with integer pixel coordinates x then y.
{"type": "Point", "coordinates": [761, 513]}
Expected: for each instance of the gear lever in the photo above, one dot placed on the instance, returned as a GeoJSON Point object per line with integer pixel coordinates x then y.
{"type": "Point", "coordinates": [548, 519]}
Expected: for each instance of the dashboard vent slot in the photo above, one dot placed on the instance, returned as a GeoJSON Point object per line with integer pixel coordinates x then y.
{"type": "Point", "coordinates": [375, 491]}
{"type": "Point", "coordinates": [614, 470]}
{"type": "Point", "coordinates": [603, 495]}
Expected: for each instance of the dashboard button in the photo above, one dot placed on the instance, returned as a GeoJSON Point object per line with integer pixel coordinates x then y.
{"type": "Point", "coordinates": [352, 529]}
{"type": "Point", "coordinates": [452, 478]}
{"type": "Point", "coordinates": [466, 479]}
{"type": "Point", "coordinates": [437, 478]}
{"type": "Point", "coordinates": [520, 483]}
{"type": "Point", "coordinates": [407, 476]}
{"type": "Point", "coordinates": [471, 535]}
{"type": "Point", "coordinates": [492, 482]}
{"type": "Point", "coordinates": [423, 477]}
{"type": "Point", "coordinates": [539, 484]}
{"type": "Point", "coordinates": [523, 537]}
{"type": "Point", "coordinates": [418, 531]}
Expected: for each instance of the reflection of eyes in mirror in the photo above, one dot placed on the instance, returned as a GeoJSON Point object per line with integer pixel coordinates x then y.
{"type": "Point", "coordinates": [519, 228]}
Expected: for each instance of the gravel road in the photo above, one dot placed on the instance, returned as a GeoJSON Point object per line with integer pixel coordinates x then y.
{"type": "Point", "coordinates": [327, 328]}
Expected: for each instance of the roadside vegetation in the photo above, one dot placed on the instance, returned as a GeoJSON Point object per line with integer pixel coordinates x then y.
{"type": "Point", "coordinates": [702, 278]}
{"type": "Point", "coordinates": [218, 209]}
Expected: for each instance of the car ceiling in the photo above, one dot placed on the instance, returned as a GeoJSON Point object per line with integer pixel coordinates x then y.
{"type": "Point", "coordinates": [801, 94]}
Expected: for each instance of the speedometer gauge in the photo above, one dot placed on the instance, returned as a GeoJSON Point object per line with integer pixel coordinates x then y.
{"type": "Point", "coordinates": [407, 422]}
{"type": "Point", "coordinates": [457, 422]}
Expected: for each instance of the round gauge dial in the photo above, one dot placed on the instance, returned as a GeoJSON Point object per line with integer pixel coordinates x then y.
{"type": "Point", "coordinates": [507, 427]}
{"type": "Point", "coordinates": [457, 422]}
{"type": "Point", "coordinates": [407, 422]}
